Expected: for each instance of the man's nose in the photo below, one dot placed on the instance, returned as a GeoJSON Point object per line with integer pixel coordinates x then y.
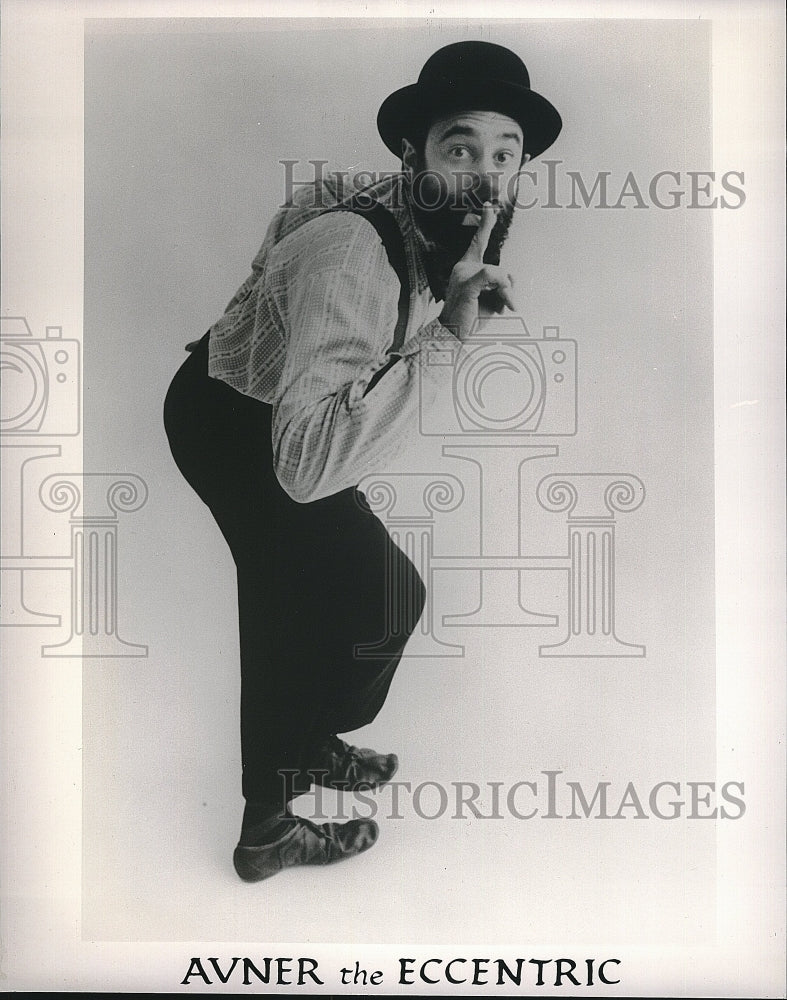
{"type": "Point", "coordinates": [488, 181]}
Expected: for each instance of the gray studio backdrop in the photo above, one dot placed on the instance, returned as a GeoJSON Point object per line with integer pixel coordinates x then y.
{"type": "Point", "coordinates": [186, 123]}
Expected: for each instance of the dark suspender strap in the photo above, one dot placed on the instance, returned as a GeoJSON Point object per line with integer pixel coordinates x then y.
{"type": "Point", "coordinates": [388, 230]}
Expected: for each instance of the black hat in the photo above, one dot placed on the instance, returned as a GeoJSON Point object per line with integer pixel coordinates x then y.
{"type": "Point", "coordinates": [469, 76]}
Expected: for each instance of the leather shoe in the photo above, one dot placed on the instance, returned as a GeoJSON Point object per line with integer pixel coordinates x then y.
{"type": "Point", "coordinates": [348, 768]}
{"type": "Point", "coordinates": [306, 843]}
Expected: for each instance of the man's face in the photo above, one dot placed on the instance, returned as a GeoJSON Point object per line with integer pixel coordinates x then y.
{"type": "Point", "coordinates": [468, 158]}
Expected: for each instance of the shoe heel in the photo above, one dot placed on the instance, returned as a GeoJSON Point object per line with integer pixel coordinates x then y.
{"type": "Point", "coordinates": [253, 864]}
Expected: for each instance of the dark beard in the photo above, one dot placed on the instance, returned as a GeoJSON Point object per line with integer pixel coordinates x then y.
{"type": "Point", "coordinates": [443, 227]}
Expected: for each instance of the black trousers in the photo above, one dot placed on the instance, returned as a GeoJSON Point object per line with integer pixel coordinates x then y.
{"type": "Point", "coordinates": [314, 581]}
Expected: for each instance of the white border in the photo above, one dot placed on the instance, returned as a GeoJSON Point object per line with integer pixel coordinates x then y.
{"type": "Point", "coordinates": [42, 45]}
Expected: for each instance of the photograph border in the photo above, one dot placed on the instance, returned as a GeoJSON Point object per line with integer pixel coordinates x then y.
{"type": "Point", "coordinates": [42, 213]}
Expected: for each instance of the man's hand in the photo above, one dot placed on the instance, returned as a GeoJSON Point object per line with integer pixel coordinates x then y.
{"type": "Point", "coordinates": [470, 277]}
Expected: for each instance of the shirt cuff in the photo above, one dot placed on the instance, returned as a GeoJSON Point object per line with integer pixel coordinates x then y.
{"type": "Point", "coordinates": [431, 336]}
{"type": "Point", "coordinates": [432, 355]}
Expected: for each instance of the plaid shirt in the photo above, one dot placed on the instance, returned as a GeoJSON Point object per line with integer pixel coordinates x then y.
{"type": "Point", "coordinates": [309, 328]}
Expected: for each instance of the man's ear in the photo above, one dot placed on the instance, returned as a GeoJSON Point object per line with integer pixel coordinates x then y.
{"type": "Point", "coordinates": [409, 157]}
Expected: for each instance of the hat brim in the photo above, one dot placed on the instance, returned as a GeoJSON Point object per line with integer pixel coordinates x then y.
{"type": "Point", "coordinates": [409, 111]}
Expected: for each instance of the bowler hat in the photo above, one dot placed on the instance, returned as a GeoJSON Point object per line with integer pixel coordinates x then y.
{"type": "Point", "coordinates": [469, 76]}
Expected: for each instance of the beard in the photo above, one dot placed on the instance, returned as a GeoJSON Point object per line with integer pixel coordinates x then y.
{"type": "Point", "coordinates": [444, 227]}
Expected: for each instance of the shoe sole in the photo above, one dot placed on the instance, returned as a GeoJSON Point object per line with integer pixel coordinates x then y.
{"type": "Point", "coordinates": [254, 864]}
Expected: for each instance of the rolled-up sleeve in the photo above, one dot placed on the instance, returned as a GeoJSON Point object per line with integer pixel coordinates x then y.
{"type": "Point", "coordinates": [336, 295]}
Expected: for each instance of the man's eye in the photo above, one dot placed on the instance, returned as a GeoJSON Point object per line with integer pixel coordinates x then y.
{"type": "Point", "coordinates": [457, 152]}
{"type": "Point", "coordinates": [504, 157]}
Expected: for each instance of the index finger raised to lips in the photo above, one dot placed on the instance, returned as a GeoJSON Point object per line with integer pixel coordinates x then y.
{"type": "Point", "coordinates": [480, 240]}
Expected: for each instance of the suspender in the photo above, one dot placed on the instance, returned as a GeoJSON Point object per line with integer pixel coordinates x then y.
{"type": "Point", "coordinates": [388, 230]}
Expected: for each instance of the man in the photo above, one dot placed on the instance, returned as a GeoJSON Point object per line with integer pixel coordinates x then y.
{"type": "Point", "coordinates": [312, 379]}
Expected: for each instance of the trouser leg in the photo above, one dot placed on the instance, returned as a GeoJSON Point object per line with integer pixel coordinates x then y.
{"type": "Point", "coordinates": [302, 678]}
{"type": "Point", "coordinates": [314, 581]}
{"type": "Point", "coordinates": [391, 598]}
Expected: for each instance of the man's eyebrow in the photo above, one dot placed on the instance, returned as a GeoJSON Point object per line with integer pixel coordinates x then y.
{"type": "Point", "coordinates": [453, 130]}
{"type": "Point", "coordinates": [470, 131]}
